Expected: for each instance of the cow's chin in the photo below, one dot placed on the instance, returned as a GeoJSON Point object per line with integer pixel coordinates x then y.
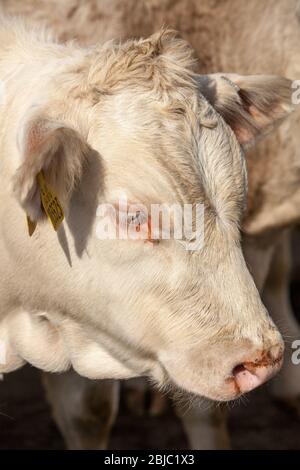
{"type": "Point", "coordinates": [203, 383]}
{"type": "Point", "coordinates": [220, 393]}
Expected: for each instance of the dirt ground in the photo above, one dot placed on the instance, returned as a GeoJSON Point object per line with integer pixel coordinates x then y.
{"type": "Point", "coordinates": [26, 422]}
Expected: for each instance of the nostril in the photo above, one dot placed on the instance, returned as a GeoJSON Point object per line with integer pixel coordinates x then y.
{"type": "Point", "coordinates": [238, 369]}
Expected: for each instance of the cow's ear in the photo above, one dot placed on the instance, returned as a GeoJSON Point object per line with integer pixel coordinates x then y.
{"type": "Point", "coordinates": [252, 105]}
{"type": "Point", "coordinates": [58, 152]}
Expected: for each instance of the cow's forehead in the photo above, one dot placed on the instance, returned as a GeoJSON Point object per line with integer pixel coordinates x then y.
{"type": "Point", "coordinates": [172, 119]}
{"type": "Point", "coordinates": [155, 158]}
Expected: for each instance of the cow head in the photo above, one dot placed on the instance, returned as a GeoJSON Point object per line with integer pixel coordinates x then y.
{"type": "Point", "coordinates": [135, 122]}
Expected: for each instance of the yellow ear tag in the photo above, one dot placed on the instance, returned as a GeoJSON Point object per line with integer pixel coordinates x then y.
{"type": "Point", "coordinates": [50, 202]}
{"type": "Point", "coordinates": [51, 206]}
{"type": "Point", "coordinates": [31, 226]}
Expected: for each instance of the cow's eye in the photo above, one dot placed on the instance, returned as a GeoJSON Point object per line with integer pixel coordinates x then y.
{"type": "Point", "coordinates": [137, 218]}
{"type": "Point", "coordinates": [139, 226]}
